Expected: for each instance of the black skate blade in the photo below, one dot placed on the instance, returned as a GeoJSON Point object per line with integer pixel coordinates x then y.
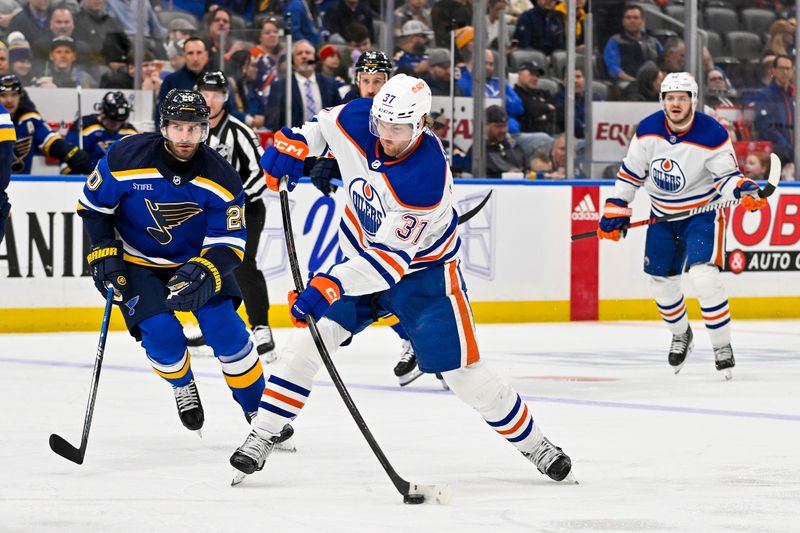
{"type": "Point", "coordinates": [405, 379]}
{"type": "Point", "coordinates": [65, 449]}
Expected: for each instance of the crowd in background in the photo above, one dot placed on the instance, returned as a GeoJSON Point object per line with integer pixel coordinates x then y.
{"type": "Point", "coordinates": [748, 59]}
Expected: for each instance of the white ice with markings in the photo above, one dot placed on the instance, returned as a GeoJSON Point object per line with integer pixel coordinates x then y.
{"type": "Point", "coordinates": [652, 451]}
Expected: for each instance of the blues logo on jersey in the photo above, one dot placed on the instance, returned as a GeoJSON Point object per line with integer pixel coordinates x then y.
{"type": "Point", "coordinates": [368, 206]}
{"type": "Point", "coordinates": [168, 215]}
{"type": "Point", "coordinates": [667, 175]}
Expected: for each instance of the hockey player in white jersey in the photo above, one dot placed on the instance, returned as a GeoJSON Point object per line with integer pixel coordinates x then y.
{"type": "Point", "coordinates": [400, 239]}
{"type": "Point", "coordinates": [684, 159]}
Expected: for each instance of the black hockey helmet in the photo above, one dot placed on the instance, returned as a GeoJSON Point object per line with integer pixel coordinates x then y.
{"type": "Point", "coordinates": [213, 81]}
{"type": "Point", "coordinates": [10, 83]}
{"type": "Point", "coordinates": [114, 106]}
{"type": "Point", "coordinates": [183, 105]}
{"type": "Point", "coordinates": [374, 61]}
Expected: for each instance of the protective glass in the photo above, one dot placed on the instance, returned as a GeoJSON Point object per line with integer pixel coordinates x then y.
{"type": "Point", "coordinates": [185, 132]}
{"type": "Point", "coordinates": [390, 131]}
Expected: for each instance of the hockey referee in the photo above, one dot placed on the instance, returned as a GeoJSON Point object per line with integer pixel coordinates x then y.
{"type": "Point", "coordinates": [237, 143]}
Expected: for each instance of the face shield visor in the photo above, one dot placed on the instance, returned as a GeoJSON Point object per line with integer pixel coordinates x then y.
{"type": "Point", "coordinates": [180, 132]}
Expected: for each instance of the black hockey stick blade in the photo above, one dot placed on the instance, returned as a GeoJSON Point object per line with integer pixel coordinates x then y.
{"type": "Point", "coordinates": [66, 450]}
{"type": "Point", "coordinates": [474, 211]}
{"type": "Point", "coordinates": [774, 176]}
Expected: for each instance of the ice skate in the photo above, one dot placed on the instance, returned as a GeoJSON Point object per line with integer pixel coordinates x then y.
{"type": "Point", "coordinates": [442, 382]}
{"type": "Point", "coordinates": [265, 344]}
{"type": "Point", "coordinates": [189, 407]}
{"type": "Point", "coordinates": [250, 456]}
{"type": "Point", "coordinates": [406, 368]}
{"type": "Point", "coordinates": [551, 461]}
{"type": "Point", "coordinates": [284, 441]}
{"type": "Point", "coordinates": [680, 349]}
{"type": "Point", "coordinates": [724, 361]}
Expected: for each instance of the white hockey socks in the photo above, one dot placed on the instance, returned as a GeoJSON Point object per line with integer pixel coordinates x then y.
{"type": "Point", "coordinates": [289, 383]}
{"type": "Point", "coordinates": [497, 402]}
{"type": "Point", "coordinates": [670, 302]}
{"type": "Point", "coordinates": [707, 281]}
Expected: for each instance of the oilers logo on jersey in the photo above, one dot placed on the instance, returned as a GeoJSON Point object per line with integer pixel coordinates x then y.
{"type": "Point", "coordinates": [368, 206]}
{"type": "Point", "coordinates": [667, 175]}
{"type": "Point", "coordinates": [168, 216]}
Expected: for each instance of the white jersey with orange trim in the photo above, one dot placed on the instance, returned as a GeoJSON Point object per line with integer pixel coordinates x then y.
{"type": "Point", "coordinates": [679, 171]}
{"type": "Point", "coordinates": [399, 215]}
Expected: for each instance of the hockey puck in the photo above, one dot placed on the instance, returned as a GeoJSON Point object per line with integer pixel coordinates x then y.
{"type": "Point", "coordinates": [413, 499]}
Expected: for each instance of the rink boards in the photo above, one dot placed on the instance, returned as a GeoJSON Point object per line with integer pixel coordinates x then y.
{"type": "Point", "coordinates": [517, 256]}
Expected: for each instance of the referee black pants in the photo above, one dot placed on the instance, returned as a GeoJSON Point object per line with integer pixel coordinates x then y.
{"type": "Point", "coordinates": [250, 278]}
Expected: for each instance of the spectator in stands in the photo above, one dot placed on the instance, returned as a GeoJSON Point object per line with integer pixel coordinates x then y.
{"type": "Point", "coordinates": [92, 24]}
{"type": "Point", "coordinates": [513, 104]}
{"type": "Point", "coordinates": [20, 60]}
{"type": "Point", "coordinates": [330, 61]}
{"type": "Point", "coordinates": [345, 12]}
{"type": "Point", "coordinates": [439, 128]}
{"type": "Point", "coordinates": [311, 92]}
{"type": "Point", "coordinates": [674, 57]}
{"type": "Point", "coordinates": [195, 57]}
{"type": "Point", "coordinates": [774, 110]}
{"type": "Point", "coordinates": [580, 103]}
{"type": "Point", "coordinates": [218, 24]}
{"type": "Point", "coordinates": [303, 27]}
{"type": "Point", "coordinates": [781, 38]}
{"type": "Point", "coordinates": [61, 25]}
{"type": "Point", "coordinates": [175, 58]}
{"type": "Point", "coordinates": [414, 38]}
{"type": "Point", "coordinates": [269, 43]}
{"type": "Point", "coordinates": [493, 10]}
{"type": "Point", "coordinates": [8, 8]}
{"type": "Point", "coordinates": [718, 90]}
{"type": "Point", "coordinates": [756, 165]}
{"type": "Point", "coordinates": [4, 67]}
{"type": "Point", "coordinates": [127, 13]}
{"type": "Point", "coordinates": [558, 160]}
{"type": "Point", "coordinates": [541, 28]}
{"type": "Point", "coordinates": [502, 154]}
{"type": "Point", "coordinates": [439, 74]}
{"type": "Point", "coordinates": [151, 77]}
{"type": "Point", "coordinates": [540, 110]}
{"type": "Point", "coordinates": [62, 67]}
{"type": "Point", "coordinates": [32, 20]}
{"type": "Point", "coordinates": [580, 17]}
{"type": "Point", "coordinates": [539, 166]}
{"type": "Point", "coordinates": [464, 43]}
{"type": "Point", "coordinates": [626, 52]}
{"type": "Point", "coordinates": [180, 29]}
{"type": "Point", "coordinates": [412, 10]}
{"type": "Point", "coordinates": [647, 86]}
{"type": "Point", "coordinates": [443, 13]}
{"type": "Point", "coordinates": [120, 70]}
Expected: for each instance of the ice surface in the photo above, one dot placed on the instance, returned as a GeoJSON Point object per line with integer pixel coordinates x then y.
{"type": "Point", "coordinates": [652, 451]}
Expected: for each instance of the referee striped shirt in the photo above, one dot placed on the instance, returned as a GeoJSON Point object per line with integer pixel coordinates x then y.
{"type": "Point", "coordinates": [238, 143]}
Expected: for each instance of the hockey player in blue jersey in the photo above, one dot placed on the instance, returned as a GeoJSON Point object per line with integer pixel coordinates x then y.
{"type": "Point", "coordinates": [103, 128]}
{"type": "Point", "coordinates": [164, 214]}
{"type": "Point", "coordinates": [34, 135]}
{"type": "Point", "coordinates": [7, 138]}
{"type": "Point", "coordinates": [684, 160]}
{"type": "Point", "coordinates": [399, 236]}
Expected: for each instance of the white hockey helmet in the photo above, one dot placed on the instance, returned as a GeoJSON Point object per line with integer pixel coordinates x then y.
{"type": "Point", "coordinates": [679, 82]}
{"type": "Point", "coordinates": [403, 99]}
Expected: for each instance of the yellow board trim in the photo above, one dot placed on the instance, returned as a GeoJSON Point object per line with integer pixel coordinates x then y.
{"type": "Point", "coordinates": [245, 380]}
{"type": "Point", "coordinates": [38, 320]}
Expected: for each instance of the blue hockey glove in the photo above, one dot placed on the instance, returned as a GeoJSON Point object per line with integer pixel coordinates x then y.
{"type": "Point", "coordinates": [747, 190]}
{"type": "Point", "coordinates": [285, 158]}
{"type": "Point", "coordinates": [108, 268]}
{"type": "Point", "coordinates": [325, 170]}
{"type": "Point", "coordinates": [193, 285]}
{"type": "Point", "coordinates": [616, 215]}
{"type": "Point", "coordinates": [321, 292]}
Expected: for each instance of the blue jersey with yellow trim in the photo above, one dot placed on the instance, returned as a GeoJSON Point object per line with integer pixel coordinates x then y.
{"type": "Point", "coordinates": [165, 218]}
{"type": "Point", "coordinates": [33, 135]}
{"type": "Point", "coordinates": [7, 137]}
{"type": "Point", "coordinates": [399, 216]}
{"type": "Point", "coordinates": [96, 138]}
{"type": "Point", "coordinates": [679, 171]}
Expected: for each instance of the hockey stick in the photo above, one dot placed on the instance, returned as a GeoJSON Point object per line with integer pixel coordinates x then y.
{"type": "Point", "coordinates": [412, 493]}
{"type": "Point", "coordinates": [57, 443]}
{"type": "Point", "coordinates": [769, 188]}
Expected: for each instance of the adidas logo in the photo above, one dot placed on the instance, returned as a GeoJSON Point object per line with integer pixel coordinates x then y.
{"type": "Point", "coordinates": [585, 210]}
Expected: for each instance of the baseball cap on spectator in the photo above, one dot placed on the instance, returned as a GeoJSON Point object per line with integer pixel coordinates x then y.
{"type": "Point", "coordinates": [19, 50]}
{"type": "Point", "coordinates": [181, 24]}
{"type": "Point", "coordinates": [464, 36]}
{"type": "Point", "coordinates": [414, 27]}
{"type": "Point", "coordinates": [328, 50]}
{"type": "Point", "coordinates": [62, 40]}
{"type": "Point", "coordinates": [531, 66]}
{"type": "Point", "coordinates": [496, 114]}
{"type": "Point", "coordinates": [438, 56]}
